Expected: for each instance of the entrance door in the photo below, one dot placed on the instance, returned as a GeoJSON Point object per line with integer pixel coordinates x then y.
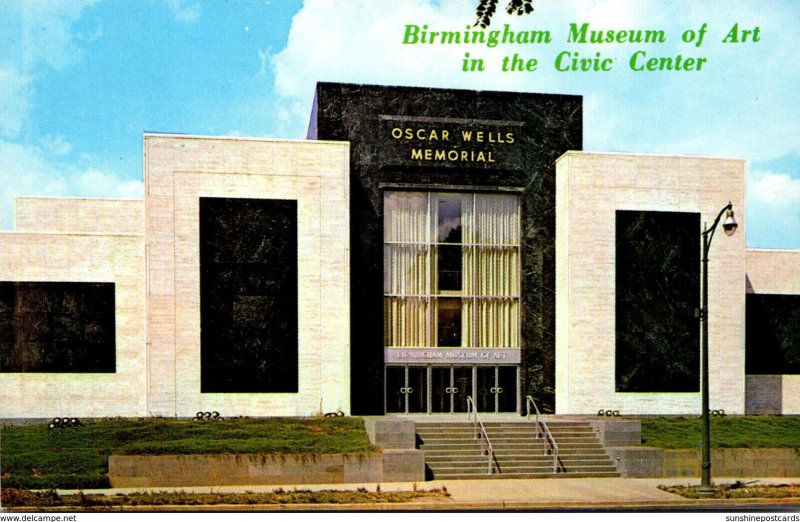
{"type": "Point", "coordinates": [487, 390]}
{"type": "Point", "coordinates": [497, 388]}
{"type": "Point", "coordinates": [450, 387]}
{"type": "Point", "coordinates": [507, 378]}
{"type": "Point", "coordinates": [406, 389]}
{"type": "Point", "coordinates": [417, 389]}
{"type": "Point", "coordinates": [409, 390]}
{"type": "Point", "coordinates": [396, 389]}
{"type": "Point", "coordinates": [462, 387]}
{"type": "Point", "coordinates": [441, 390]}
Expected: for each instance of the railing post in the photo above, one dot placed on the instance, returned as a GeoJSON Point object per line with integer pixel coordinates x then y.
{"type": "Point", "coordinates": [482, 435]}
{"type": "Point", "coordinates": [542, 426]}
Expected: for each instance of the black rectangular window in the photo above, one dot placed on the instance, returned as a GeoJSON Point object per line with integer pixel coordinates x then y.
{"type": "Point", "coordinates": [248, 295]}
{"type": "Point", "coordinates": [658, 291]}
{"type": "Point", "coordinates": [773, 334]}
{"type": "Point", "coordinates": [57, 327]}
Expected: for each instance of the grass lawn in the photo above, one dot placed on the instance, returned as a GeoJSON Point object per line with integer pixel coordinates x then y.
{"type": "Point", "coordinates": [34, 456]}
{"type": "Point", "coordinates": [726, 432]}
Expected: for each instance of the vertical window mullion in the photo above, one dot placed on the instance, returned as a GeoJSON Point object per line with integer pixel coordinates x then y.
{"type": "Point", "coordinates": [497, 389]}
{"type": "Point", "coordinates": [474, 273]}
{"type": "Point", "coordinates": [518, 271]}
{"type": "Point", "coordinates": [429, 275]}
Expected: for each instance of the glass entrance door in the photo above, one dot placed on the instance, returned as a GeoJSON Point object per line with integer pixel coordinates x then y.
{"type": "Point", "coordinates": [450, 387]}
{"type": "Point", "coordinates": [445, 389]}
{"type": "Point", "coordinates": [395, 389]}
{"type": "Point", "coordinates": [462, 387]}
{"type": "Point", "coordinates": [406, 389]}
{"type": "Point", "coordinates": [497, 389]}
{"type": "Point", "coordinates": [507, 379]}
{"type": "Point", "coordinates": [487, 391]}
{"type": "Point", "coordinates": [441, 390]}
{"type": "Point", "coordinates": [417, 389]}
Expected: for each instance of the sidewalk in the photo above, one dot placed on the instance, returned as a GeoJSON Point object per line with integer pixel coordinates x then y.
{"type": "Point", "coordinates": [505, 494]}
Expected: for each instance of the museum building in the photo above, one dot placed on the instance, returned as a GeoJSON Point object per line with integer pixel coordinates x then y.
{"type": "Point", "coordinates": [422, 248]}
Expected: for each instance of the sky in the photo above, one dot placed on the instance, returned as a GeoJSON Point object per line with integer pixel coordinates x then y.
{"type": "Point", "coordinates": [81, 81]}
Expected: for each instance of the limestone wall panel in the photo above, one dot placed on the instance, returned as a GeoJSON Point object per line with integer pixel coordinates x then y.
{"type": "Point", "coordinates": [79, 216]}
{"type": "Point", "coordinates": [312, 173]}
{"type": "Point", "coordinates": [597, 186]}
{"type": "Point", "coordinates": [63, 258]}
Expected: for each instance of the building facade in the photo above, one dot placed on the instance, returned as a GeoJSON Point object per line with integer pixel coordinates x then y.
{"type": "Point", "coordinates": [423, 249]}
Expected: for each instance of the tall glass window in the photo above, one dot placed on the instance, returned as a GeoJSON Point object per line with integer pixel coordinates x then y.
{"type": "Point", "coordinates": [451, 270]}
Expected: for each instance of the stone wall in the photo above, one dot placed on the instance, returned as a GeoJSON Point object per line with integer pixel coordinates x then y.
{"type": "Point", "coordinates": [591, 187]}
{"type": "Point", "coordinates": [618, 432]}
{"type": "Point", "coordinates": [79, 215]}
{"type": "Point", "coordinates": [773, 394]}
{"type": "Point", "coordinates": [773, 272]}
{"type": "Point", "coordinates": [82, 258]}
{"type": "Point", "coordinates": [391, 433]}
{"type": "Point", "coordinates": [642, 462]}
{"type": "Point", "coordinates": [126, 471]}
{"type": "Point", "coordinates": [179, 170]}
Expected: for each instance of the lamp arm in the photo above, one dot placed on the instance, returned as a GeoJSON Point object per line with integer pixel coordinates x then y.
{"type": "Point", "coordinates": [709, 232]}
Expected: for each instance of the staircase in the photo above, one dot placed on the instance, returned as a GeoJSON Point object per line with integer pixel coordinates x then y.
{"type": "Point", "coordinates": [452, 452]}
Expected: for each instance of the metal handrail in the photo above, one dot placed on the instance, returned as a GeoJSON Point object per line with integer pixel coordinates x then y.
{"type": "Point", "coordinates": [543, 427]}
{"type": "Point", "coordinates": [479, 432]}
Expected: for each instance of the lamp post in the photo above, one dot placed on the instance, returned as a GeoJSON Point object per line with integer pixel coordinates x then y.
{"type": "Point", "coordinates": [729, 226]}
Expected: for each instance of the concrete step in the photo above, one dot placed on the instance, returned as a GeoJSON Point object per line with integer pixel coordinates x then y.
{"type": "Point", "coordinates": [501, 445]}
{"type": "Point", "coordinates": [520, 430]}
{"type": "Point", "coordinates": [482, 468]}
{"type": "Point", "coordinates": [516, 434]}
{"type": "Point", "coordinates": [505, 432]}
{"type": "Point", "coordinates": [511, 458]}
{"type": "Point", "coordinates": [525, 431]}
{"type": "Point", "coordinates": [459, 476]}
{"type": "Point", "coordinates": [523, 465]}
{"type": "Point", "coordinates": [520, 450]}
{"type": "Point", "coordinates": [438, 455]}
{"type": "Point", "coordinates": [522, 422]}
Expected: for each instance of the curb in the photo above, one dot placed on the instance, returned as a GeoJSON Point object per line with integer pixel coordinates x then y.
{"type": "Point", "coordinates": [792, 503]}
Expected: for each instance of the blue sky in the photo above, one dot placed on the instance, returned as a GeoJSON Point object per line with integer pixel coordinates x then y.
{"type": "Point", "coordinates": [82, 80]}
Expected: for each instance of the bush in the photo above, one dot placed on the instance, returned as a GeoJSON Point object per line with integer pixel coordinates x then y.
{"type": "Point", "coordinates": [21, 497]}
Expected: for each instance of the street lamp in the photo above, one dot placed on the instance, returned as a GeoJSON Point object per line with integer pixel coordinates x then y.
{"type": "Point", "coordinates": [729, 226]}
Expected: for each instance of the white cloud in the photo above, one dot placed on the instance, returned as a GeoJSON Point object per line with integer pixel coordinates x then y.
{"type": "Point", "coordinates": [15, 100]}
{"type": "Point", "coordinates": [744, 104]}
{"type": "Point", "coordinates": [56, 145]}
{"type": "Point", "coordinates": [36, 36]}
{"type": "Point", "coordinates": [775, 189]}
{"type": "Point", "coordinates": [358, 42]}
{"type": "Point", "coordinates": [773, 200]}
{"type": "Point", "coordinates": [25, 171]}
{"type": "Point", "coordinates": [263, 57]}
{"type": "Point", "coordinates": [42, 31]}
{"type": "Point", "coordinates": [95, 183]}
{"type": "Point", "coordinates": [182, 12]}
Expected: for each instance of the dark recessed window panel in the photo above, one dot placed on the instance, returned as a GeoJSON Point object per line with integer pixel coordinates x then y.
{"type": "Point", "coordinates": [55, 327]}
{"type": "Point", "coordinates": [658, 291]}
{"type": "Point", "coordinates": [773, 334]}
{"type": "Point", "coordinates": [248, 295]}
